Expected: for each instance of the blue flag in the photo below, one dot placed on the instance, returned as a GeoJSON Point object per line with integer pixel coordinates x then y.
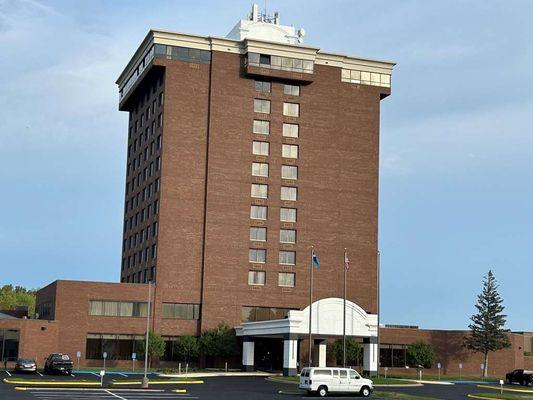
{"type": "Point", "coordinates": [315, 260]}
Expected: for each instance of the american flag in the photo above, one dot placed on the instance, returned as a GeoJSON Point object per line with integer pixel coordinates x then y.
{"type": "Point", "coordinates": [346, 262]}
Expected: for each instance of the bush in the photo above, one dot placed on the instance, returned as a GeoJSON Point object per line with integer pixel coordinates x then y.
{"type": "Point", "coordinates": [219, 342]}
{"type": "Point", "coordinates": [186, 347]}
{"type": "Point", "coordinates": [156, 346]}
{"type": "Point", "coordinates": [353, 351]}
{"type": "Point", "coordinates": [420, 353]}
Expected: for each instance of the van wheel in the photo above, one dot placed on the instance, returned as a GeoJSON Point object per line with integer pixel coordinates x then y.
{"type": "Point", "coordinates": [322, 391]}
{"type": "Point", "coordinates": [365, 391]}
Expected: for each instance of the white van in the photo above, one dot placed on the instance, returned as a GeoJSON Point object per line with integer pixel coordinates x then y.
{"type": "Point", "coordinates": [335, 380]}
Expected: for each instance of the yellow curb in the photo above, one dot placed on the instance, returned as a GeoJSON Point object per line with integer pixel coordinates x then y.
{"type": "Point", "coordinates": [505, 389]}
{"type": "Point", "coordinates": [118, 383]}
{"type": "Point", "coordinates": [483, 398]}
{"type": "Point", "coordinates": [180, 391]}
{"type": "Point", "coordinates": [20, 388]}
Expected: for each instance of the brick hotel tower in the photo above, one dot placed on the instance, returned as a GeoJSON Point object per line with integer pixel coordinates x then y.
{"type": "Point", "coordinates": [243, 152]}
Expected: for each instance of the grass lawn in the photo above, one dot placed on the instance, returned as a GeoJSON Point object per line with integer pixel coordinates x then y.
{"type": "Point", "coordinates": [505, 396]}
{"type": "Point", "coordinates": [428, 377]}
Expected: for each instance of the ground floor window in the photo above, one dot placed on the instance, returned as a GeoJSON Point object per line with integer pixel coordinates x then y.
{"type": "Point", "coordinates": [9, 344]}
{"type": "Point", "coordinates": [393, 355]}
{"type": "Point", "coordinates": [117, 347]}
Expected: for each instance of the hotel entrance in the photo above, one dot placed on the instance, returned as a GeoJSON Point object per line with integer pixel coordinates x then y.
{"type": "Point", "coordinates": [269, 354]}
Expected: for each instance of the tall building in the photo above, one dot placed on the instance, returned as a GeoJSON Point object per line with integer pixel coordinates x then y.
{"type": "Point", "coordinates": [243, 152]}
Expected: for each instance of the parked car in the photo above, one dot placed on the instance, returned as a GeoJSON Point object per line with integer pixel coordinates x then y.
{"type": "Point", "coordinates": [25, 365]}
{"type": "Point", "coordinates": [58, 363]}
{"type": "Point", "coordinates": [334, 380]}
{"type": "Point", "coordinates": [521, 376]}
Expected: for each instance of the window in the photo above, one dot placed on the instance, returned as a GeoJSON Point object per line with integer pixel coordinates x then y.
{"type": "Point", "coordinates": [259, 191]}
{"type": "Point", "coordinates": [289, 193]}
{"type": "Point", "coordinates": [291, 109]}
{"type": "Point", "coordinates": [289, 151]}
{"type": "Point", "coordinates": [291, 90]}
{"type": "Point", "coordinates": [262, 106]}
{"type": "Point", "coordinates": [258, 212]}
{"type": "Point", "coordinates": [287, 257]}
{"type": "Point", "coordinates": [287, 236]}
{"type": "Point", "coordinates": [286, 279]}
{"type": "Point", "coordinates": [289, 172]}
{"type": "Point", "coordinates": [181, 311]}
{"type": "Point", "coordinates": [290, 130]}
{"type": "Point", "coordinates": [260, 148]}
{"type": "Point", "coordinates": [256, 277]}
{"type": "Point", "coordinates": [117, 308]}
{"type": "Point", "coordinates": [251, 313]}
{"type": "Point", "coordinates": [262, 86]}
{"type": "Point", "coordinates": [160, 119]}
{"type": "Point", "coordinates": [257, 256]}
{"type": "Point", "coordinates": [264, 60]}
{"type": "Point", "coordinates": [287, 214]}
{"type": "Point", "coordinates": [260, 169]}
{"type": "Point", "coordinates": [258, 234]}
{"type": "Point", "coordinates": [261, 127]}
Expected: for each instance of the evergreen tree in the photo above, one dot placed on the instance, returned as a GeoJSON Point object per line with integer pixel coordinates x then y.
{"type": "Point", "coordinates": [219, 342]}
{"type": "Point", "coordinates": [353, 351]}
{"type": "Point", "coordinates": [487, 332]}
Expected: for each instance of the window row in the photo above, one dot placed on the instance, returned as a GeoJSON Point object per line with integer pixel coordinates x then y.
{"type": "Point", "coordinates": [263, 149]}
{"type": "Point", "coordinates": [141, 236]}
{"type": "Point", "coordinates": [258, 256]}
{"type": "Point", "coordinates": [253, 314]}
{"type": "Point", "coordinates": [289, 109]}
{"type": "Point", "coordinates": [118, 308]}
{"type": "Point", "coordinates": [261, 213]}
{"type": "Point", "coordinates": [280, 63]}
{"type": "Point", "coordinates": [143, 276]}
{"type": "Point", "coordinates": [287, 171]}
{"type": "Point", "coordinates": [140, 217]}
{"type": "Point", "coordinates": [183, 54]}
{"type": "Point", "coordinates": [144, 255]}
{"type": "Point", "coordinates": [365, 78]}
{"type": "Point", "coordinates": [148, 171]}
{"type": "Point", "coordinates": [259, 234]}
{"type": "Point", "coordinates": [181, 311]}
{"type": "Point", "coordinates": [262, 127]}
{"type": "Point", "coordinates": [260, 191]}
{"type": "Point", "coordinates": [143, 156]}
{"type": "Point", "coordinates": [258, 278]}
{"type": "Point", "coordinates": [266, 87]}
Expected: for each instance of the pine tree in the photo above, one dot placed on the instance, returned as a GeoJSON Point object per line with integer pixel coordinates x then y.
{"type": "Point", "coordinates": [487, 332]}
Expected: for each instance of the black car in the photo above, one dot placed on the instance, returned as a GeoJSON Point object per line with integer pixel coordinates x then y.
{"type": "Point", "coordinates": [25, 365]}
{"type": "Point", "coordinates": [521, 376]}
{"type": "Point", "coordinates": [58, 363]}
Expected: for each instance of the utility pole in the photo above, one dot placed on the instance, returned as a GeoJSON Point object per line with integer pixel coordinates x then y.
{"type": "Point", "coordinates": [311, 265]}
{"type": "Point", "coordinates": [145, 381]}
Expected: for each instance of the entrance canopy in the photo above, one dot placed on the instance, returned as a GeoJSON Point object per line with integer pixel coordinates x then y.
{"type": "Point", "coordinates": [326, 321]}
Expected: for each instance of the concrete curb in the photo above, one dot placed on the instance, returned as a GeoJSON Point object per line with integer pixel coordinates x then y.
{"type": "Point", "coordinates": [215, 374]}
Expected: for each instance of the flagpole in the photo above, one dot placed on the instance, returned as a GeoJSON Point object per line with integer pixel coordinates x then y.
{"type": "Point", "coordinates": [344, 316]}
{"type": "Point", "coordinates": [310, 308]}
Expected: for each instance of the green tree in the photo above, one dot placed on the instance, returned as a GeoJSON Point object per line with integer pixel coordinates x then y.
{"type": "Point", "coordinates": [156, 346]}
{"type": "Point", "coordinates": [219, 342]}
{"type": "Point", "coordinates": [10, 297]}
{"type": "Point", "coordinates": [186, 347]}
{"type": "Point", "coordinates": [353, 351]}
{"type": "Point", "coordinates": [487, 332]}
{"type": "Point", "coordinates": [420, 353]}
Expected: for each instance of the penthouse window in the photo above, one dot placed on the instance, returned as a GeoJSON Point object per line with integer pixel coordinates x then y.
{"type": "Point", "coordinates": [289, 151]}
{"type": "Point", "coordinates": [181, 311]}
{"type": "Point", "coordinates": [258, 212]}
{"type": "Point", "coordinates": [256, 278]}
{"type": "Point", "coordinates": [289, 172]}
{"type": "Point", "coordinates": [262, 106]}
{"type": "Point", "coordinates": [261, 127]}
{"type": "Point", "coordinates": [260, 169]}
{"type": "Point", "coordinates": [289, 193]}
{"type": "Point", "coordinates": [291, 90]}
{"type": "Point", "coordinates": [257, 256]}
{"type": "Point", "coordinates": [262, 86]}
{"type": "Point", "coordinates": [280, 63]}
{"type": "Point", "coordinates": [287, 236]}
{"type": "Point", "coordinates": [260, 148]}
{"type": "Point", "coordinates": [259, 191]}
{"type": "Point", "coordinates": [287, 214]}
{"type": "Point", "coordinates": [290, 130]}
{"type": "Point", "coordinates": [258, 234]}
{"type": "Point", "coordinates": [287, 257]}
{"type": "Point", "coordinates": [291, 109]}
{"type": "Point", "coordinates": [286, 279]}
{"type": "Point", "coordinates": [117, 308]}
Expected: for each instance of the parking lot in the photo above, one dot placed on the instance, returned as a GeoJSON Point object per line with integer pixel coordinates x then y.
{"type": "Point", "coordinates": [125, 386]}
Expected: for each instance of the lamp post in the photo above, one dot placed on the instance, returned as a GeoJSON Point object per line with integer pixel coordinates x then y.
{"type": "Point", "coordinates": [145, 381]}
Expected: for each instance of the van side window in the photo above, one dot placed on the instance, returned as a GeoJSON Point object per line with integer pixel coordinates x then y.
{"type": "Point", "coordinates": [344, 373]}
{"type": "Point", "coordinates": [353, 374]}
{"type": "Point", "coordinates": [324, 372]}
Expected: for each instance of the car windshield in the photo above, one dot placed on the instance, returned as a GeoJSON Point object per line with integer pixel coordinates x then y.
{"type": "Point", "coordinates": [61, 357]}
{"type": "Point", "coordinates": [25, 360]}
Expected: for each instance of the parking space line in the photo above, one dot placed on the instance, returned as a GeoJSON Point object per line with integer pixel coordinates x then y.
{"type": "Point", "coordinates": [39, 373]}
{"type": "Point", "coordinates": [115, 395]}
{"type": "Point", "coordinates": [7, 372]}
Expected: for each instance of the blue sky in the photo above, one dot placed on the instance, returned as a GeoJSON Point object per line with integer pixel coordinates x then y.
{"type": "Point", "coordinates": [456, 139]}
